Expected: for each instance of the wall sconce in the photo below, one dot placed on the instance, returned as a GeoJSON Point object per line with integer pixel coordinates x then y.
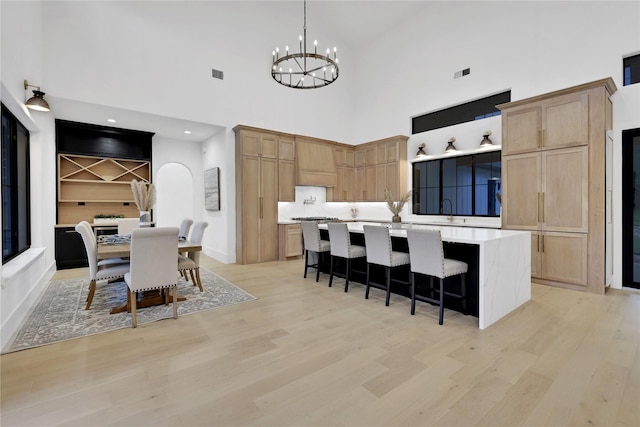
{"type": "Point", "coordinates": [36, 102]}
{"type": "Point", "coordinates": [486, 142]}
{"type": "Point", "coordinates": [451, 147]}
{"type": "Point", "coordinates": [421, 152]}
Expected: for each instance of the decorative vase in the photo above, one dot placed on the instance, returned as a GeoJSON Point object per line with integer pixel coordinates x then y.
{"type": "Point", "coordinates": [396, 218]}
{"type": "Point", "coordinates": [145, 217]}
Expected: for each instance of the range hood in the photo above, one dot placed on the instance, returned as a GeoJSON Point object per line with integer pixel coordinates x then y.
{"type": "Point", "coordinates": [316, 164]}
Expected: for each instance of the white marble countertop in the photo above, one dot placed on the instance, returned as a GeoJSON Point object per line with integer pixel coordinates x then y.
{"type": "Point", "coordinates": [449, 233]}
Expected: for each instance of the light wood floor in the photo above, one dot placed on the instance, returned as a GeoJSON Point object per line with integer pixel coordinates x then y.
{"type": "Point", "coordinates": [304, 354]}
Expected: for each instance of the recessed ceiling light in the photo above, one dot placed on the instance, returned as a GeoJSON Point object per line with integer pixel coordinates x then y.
{"type": "Point", "coordinates": [111, 120]}
{"type": "Point", "coordinates": [187, 132]}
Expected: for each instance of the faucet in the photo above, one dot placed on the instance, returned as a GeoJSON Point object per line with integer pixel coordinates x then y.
{"type": "Point", "coordinates": [309, 201]}
{"type": "Point", "coordinates": [450, 217]}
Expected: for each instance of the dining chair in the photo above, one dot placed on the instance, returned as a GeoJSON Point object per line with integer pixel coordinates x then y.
{"type": "Point", "coordinates": [108, 269]}
{"type": "Point", "coordinates": [191, 262]}
{"type": "Point", "coordinates": [380, 252]}
{"type": "Point", "coordinates": [341, 247]}
{"type": "Point", "coordinates": [313, 243]}
{"type": "Point", "coordinates": [185, 225]}
{"type": "Point", "coordinates": [427, 258]}
{"type": "Point", "coordinates": [153, 264]}
{"type": "Point", "coordinates": [126, 225]}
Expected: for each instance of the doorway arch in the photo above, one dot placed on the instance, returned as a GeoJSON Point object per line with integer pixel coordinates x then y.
{"type": "Point", "coordinates": [174, 195]}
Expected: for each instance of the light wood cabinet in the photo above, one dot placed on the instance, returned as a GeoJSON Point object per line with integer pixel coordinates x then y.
{"type": "Point", "coordinates": [344, 191]}
{"type": "Point", "coordinates": [290, 241]}
{"type": "Point", "coordinates": [381, 165]}
{"type": "Point", "coordinates": [256, 196]}
{"type": "Point", "coordinates": [286, 169]}
{"type": "Point", "coordinates": [91, 185]}
{"type": "Point", "coordinates": [553, 182]}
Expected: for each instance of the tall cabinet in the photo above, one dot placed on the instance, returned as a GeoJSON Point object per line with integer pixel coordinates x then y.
{"type": "Point", "coordinates": [553, 165]}
{"type": "Point", "coordinates": [256, 195]}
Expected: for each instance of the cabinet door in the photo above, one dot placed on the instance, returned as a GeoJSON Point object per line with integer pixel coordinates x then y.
{"type": "Point", "coordinates": [565, 189]}
{"type": "Point", "coordinates": [535, 254]}
{"type": "Point", "coordinates": [381, 182]}
{"type": "Point", "coordinates": [268, 229]}
{"type": "Point", "coordinates": [521, 130]}
{"type": "Point", "coordinates": [349, 185]}
{"type": "Point", "coordinates": [294, 240]}
{"type": "Point", "coordinates": [564, 257]}
{"type": "Point", "coordinates": [286, 181]}
{"type": "Point", "coordinates": [521, 191]}
{"type": "Point", "coordinates": [565, 121]}
{"type": "Point", "coordinates": [286, 148]}
{"type": "Point", "coordinates": [370, 183]}
{"type": "Point", "coordinates": [251, 193]}
{"type": "Point", "coordinates": [269, 146]}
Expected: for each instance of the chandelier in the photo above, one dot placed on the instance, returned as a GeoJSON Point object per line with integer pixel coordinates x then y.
{"type": "Point", "coordinates": [305, 70]}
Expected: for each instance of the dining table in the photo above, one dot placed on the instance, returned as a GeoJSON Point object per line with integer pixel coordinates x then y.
{"type": "Point", "coordinates": [148, 298]}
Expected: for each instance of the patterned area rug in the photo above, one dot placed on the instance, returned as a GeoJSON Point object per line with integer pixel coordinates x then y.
{"type": "Point", "coordinates": [60, 313]}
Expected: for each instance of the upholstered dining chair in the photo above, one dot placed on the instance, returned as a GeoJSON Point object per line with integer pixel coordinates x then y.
{"type": "Point", "coordinates": [112, 268]}
{"type": "Point", "coordinates": [126, 225]}
{"type": "Point", "coordinates": [341, 247]}
{"type": "Point", "coordinates": [379, 252]}
{"type": "Point", "coordinates": [427, 258]}
{"type": "Point", "coordinates": [153, 264]}
{"type": "Point", "coordinates": [185, 225]}
{"type": "Point", "coordinates": [313, 243]}
{"type": "Point", "coordinates": [191, 262]}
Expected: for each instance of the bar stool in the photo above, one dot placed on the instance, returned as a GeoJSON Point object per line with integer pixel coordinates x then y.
{"type": "Point", "coordinates": [427, 258]}
{"type": "Point", "coordinates": [313, 243]}
{"type": "Point", "coordinates": [379, 251]}
{"type": "Point", "coordinates": [341, 247]}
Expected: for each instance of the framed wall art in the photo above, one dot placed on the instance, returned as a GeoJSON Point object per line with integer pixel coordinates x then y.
{"type": "Point", "coordinates": [212, 189]}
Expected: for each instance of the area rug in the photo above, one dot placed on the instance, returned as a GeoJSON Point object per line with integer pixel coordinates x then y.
{"type": "Point", "coordinates": [60, 315]}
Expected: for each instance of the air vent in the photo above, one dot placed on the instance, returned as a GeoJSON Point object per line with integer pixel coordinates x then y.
{"type": "Point", "coordinates": [217, 74]}
{"type": "Point", "coordinates": [461, 73]}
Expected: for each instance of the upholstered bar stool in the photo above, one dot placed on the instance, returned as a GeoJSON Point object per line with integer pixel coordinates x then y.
{"type": "Point", "coordinates": [313, 243]}
{"type": "Point", "coordinates": [379, 251]}
{"type": "Point", "coordinates": [427, 258]}
{"type": "Point", "coordinates": [341, 247]}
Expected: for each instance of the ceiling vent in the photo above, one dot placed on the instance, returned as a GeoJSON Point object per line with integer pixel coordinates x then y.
{"type": "Point", "coordinates": [462, 73]}
{"type": "Point", "coordinates": [217, 74]}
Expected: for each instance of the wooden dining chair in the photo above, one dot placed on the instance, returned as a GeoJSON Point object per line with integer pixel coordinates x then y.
{"type": "Point", "coordinates": [313, 243]}
{"type": "Point", "coordinates": [427, 258]}
{"type": "Point", "coordinates": [108, 269]}
{"type": "Point", "coordinates": [341, 248]}
{"type": "Point", "coordinates": [191, 262]}
{"type": "Point", "coordinates": [379, 252]}
{"type": "Point", "coordinates": [153, 264]}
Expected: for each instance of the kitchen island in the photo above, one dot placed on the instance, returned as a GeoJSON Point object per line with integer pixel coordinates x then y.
{"type": "Point", "coordinates": [500, 262]}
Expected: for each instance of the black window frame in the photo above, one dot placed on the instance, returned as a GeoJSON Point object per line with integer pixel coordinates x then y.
{"type": "Point", "coordinates": [444, 191]}
{"type": "Point", "coordinates": [16, 194]}
{"type": "Point", "coordinates": [631, 70]}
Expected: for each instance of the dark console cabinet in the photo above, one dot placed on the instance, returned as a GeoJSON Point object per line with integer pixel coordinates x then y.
{"type": "Point", "coordinates": [70, 252]}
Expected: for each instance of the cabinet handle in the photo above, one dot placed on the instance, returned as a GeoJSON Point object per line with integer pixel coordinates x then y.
{"type": "Point", "coordinates": [542, 206]}
{"type": "Point", "coordinates": [538, 207]}
{"type": "Point", "coordinates": [538, 244]}
{"type": "Point", "coordinates": [344, 194]}
{"type": "Point", "coordinates": [542, 243]}
{"type": "Point", "coordinates": [260, 207]}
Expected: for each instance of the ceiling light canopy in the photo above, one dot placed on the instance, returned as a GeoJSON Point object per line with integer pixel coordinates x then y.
{"type": "Point", "coordinates": [36, 102]}
{"type": "Point", "coordinates": [305, 70]}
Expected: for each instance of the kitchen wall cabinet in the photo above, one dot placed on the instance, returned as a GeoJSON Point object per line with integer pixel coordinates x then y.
{"type": "Point", "coordinates": [256, 196]}
{"type": "Point", "coordinates": [381, 165]}
{"type": "Point", "coordinates": [344, 191]}
{"type": "Point", "coordinates": [553, 158]}
{"type": "Point", "coordinates": [286, 169]}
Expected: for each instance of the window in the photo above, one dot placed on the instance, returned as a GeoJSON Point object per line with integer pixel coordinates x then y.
{"type": "Point", "coordinates": [631, 67]}
{"type": "Point", "coordinates": [16, 225]}
{"type": "Point", "coordinates": [467, 112]}
{"type": "Point", "coordinates": [464, 185]}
